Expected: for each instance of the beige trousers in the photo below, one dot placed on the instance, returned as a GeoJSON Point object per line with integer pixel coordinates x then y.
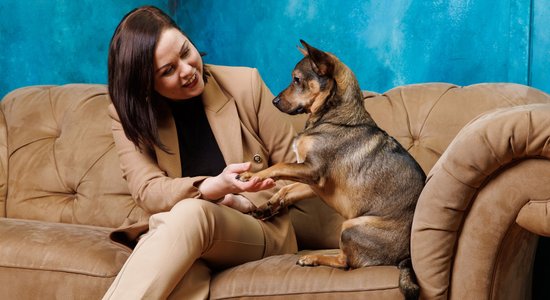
{"type": "Point", "coordinates": [171, 259]}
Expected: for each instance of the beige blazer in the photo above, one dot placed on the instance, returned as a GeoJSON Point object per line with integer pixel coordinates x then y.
{"type": "Point", "coordinates": [247, 127]}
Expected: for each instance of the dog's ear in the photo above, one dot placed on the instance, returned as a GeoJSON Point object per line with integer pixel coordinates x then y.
{"type": "Point", "coordinates": [302, 50]}
{"type": "Point", "coordinates": [322, 63]}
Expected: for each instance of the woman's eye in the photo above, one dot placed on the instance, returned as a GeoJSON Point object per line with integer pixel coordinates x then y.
{"type": "Point", "coordinates": [168, 71]}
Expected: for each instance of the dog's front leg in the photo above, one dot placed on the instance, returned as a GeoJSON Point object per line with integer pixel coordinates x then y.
{"type": "Point", "coordinates": [287, 195]}
{"type": "Point", "coordinates": [299, 172]}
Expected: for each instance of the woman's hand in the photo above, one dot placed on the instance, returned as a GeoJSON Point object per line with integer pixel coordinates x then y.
{"type": "Point", "coordinates": [238, 202]}
{"type": "Point", "coordinates": [218, 187]}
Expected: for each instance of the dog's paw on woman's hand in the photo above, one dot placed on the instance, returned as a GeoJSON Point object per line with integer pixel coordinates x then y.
{"type": "Point", "coordinates": [244, 176]}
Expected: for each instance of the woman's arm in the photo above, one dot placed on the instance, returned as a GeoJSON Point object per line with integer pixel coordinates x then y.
{"type": "Point", "coordinates": [154, 191]}
{"type": "Point", "coordinates": [150, 187]}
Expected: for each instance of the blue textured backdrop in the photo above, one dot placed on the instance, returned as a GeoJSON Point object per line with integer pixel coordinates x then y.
{"type": "Point", "coordinates": [57, 41]}
{"type": "Point", "coordinates": [540, 50]}
{"type": "Point", "coordinates": [387, 43]}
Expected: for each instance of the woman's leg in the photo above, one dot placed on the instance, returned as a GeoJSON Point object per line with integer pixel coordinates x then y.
{"type": "Point", "coordinates": [195, 284]}
{"type": "Point", "coordinates": [176, 239]}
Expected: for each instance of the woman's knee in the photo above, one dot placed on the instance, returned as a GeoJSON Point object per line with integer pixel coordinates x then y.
{"type": "Point", "coordinates": [193, 207]}
{"type": "Point", "coordinates": [190, 215]}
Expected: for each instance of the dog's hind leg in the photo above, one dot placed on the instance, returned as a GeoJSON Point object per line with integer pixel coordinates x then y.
{"type": "Point", "coordinates": [287, 195]}
{"type": "Point", "coordinates": [373, 240]}
{"type": "Point", "coordinates": [335, 261]}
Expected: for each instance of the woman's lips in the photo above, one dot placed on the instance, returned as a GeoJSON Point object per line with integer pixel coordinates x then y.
{"type": "Point", "coordinates": [192, 82]}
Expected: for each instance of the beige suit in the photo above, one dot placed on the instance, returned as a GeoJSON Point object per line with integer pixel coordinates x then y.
{"type": "Point", "coordinates": [247, 127]}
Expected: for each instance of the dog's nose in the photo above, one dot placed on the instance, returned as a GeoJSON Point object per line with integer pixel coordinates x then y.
{"type": "Point", "coordinates": [276, 100]}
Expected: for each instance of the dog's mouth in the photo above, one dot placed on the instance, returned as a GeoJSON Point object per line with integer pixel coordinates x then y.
{"type": "Point", "coordinates": [284, 107]}
{"type": "Point", "coordinates": [299, 110]}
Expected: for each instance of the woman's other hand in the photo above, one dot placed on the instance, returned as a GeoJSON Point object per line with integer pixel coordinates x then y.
{"type": "Point", "coordinates": [238, 202]}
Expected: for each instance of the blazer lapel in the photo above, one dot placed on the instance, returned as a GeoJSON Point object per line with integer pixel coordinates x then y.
{"type": "Point", "coordinates": [224, 120]}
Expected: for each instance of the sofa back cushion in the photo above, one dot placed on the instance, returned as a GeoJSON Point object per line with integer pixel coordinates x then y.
{"type": "Point", "coordinates": [425, 118]}
{"type": "Point", "coordinates": [63, 166]}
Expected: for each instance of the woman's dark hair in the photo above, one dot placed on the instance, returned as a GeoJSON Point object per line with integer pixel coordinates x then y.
{"type": "Point", "coordinates": [131, 73]}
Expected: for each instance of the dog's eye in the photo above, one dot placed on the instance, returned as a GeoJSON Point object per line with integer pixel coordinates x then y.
{"type": "Point", "coordinates": [296, 80]}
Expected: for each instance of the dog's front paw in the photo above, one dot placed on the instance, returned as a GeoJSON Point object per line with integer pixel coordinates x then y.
{"type": "Point", "coordinates": [244, 176]}
{"type": "Point", "coordinates": [264, 212]}
{"type": "Point", "coordinates": [308, 260]}
{"type": "Point", "coordinates": [271, 208]}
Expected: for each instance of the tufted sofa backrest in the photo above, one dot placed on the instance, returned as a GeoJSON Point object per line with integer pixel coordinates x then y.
{"type": "Point", "coordinates": [58, 161]}
{"type": "Point", "coordinates": [63, 166]}
{"type": "Point", "coordinates": [425, 118]}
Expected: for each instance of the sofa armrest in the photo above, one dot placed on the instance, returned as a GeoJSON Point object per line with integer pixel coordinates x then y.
{"type": "Point", "coordinates": [466, 242]}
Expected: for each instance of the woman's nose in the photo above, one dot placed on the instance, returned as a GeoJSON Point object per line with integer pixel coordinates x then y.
{"type": "Point", "coordinates": [185, 69]}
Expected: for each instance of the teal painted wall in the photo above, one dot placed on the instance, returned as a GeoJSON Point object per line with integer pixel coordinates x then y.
{"type": "Point", "coordinates": [540, 50]}
{"type": "Point", "coordinates": [387, 43]}
{"type": "Point", "coordinates": [58, 41]}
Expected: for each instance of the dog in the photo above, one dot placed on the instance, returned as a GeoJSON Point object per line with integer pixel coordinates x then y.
{"type": "Point", "coordinates": [345, 159]}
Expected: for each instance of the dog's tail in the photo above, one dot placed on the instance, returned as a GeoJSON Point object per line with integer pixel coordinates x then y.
{"type": "Point", "coordinates": [407, 280]}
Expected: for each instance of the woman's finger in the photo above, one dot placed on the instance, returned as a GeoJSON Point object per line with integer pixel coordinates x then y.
{"type": "Point", "coordinates": [256, 184]}
{"type": "Point", "coordinates": [238, 168]}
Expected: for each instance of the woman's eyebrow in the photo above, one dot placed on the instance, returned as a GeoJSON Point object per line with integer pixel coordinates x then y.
{"type": "Point", "coordinates": [183, 47]}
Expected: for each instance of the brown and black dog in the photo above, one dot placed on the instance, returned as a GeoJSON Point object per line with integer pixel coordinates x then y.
{"type": "Point", "coordinates": [351, 164]}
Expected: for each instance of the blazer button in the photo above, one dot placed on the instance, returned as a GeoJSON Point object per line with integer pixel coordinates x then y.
{"type": "Point", "coordinates": [257, 158]}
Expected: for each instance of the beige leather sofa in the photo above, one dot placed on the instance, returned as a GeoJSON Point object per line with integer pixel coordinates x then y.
{"type": "Point", "coordinates": [486, 148]}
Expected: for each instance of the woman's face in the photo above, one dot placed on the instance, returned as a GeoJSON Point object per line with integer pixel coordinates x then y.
{"type": "Point", "coordinates": [178, 67]}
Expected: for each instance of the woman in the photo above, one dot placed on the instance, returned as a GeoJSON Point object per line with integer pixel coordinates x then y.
{"type": "Point", "coordinates": [183, 131]}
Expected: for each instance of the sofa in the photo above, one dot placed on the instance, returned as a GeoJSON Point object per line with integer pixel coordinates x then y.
{"type": "Point", "coordinates": [485, 206]}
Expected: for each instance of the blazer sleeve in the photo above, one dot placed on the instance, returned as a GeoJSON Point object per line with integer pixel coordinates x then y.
{"type": "Point", "coordinates": [275, 131]}
{"type": "Point", "coordinates": [150, 187]}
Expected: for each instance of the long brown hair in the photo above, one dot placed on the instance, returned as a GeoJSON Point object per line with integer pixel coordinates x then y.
{"type": "Point", "coordinates": [131, 74]}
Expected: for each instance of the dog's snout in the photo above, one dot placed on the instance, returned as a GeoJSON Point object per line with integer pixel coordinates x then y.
{"type": "Point", "coordinates": [276, 100]}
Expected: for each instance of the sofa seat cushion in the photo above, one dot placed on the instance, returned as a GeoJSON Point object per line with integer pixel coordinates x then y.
{"type": "Point", "coordinates": [62, 261]}
{"type": "Point", "coordinates": [278, 277]}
